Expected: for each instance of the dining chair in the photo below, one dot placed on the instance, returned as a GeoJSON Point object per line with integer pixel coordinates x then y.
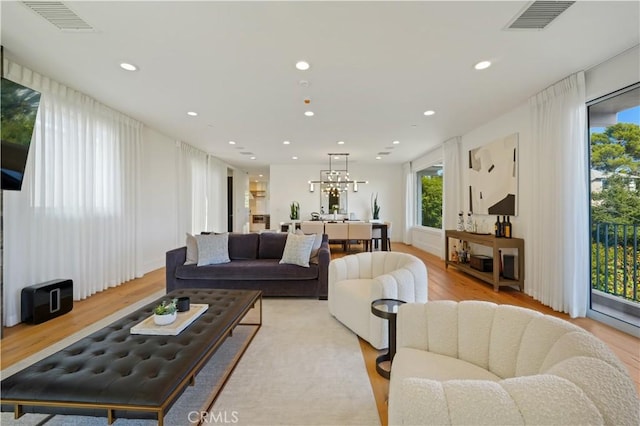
{"type": "Point", "coordinates": [312, 227]}
{"type": "Point", "coordinates": [360, 232]}
{"type": "Point", "coordinates": [337, 232]}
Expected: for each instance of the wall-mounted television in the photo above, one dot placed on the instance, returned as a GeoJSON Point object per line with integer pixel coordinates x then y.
{"type": "Point", "coordinates": [19, 108]}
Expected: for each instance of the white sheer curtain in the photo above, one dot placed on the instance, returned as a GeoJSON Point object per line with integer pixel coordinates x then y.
{"type": "Point", "coordinates": [192, 190]}
{"type": "Point", "coordinates": [217, 195]}
{"type": "Point", "coordinates": [452, 185]}
{"type": "Point", "coordinates": [409, 202]}
{"type": "Point", "coordinates": [77, 214]}
{"type": "Point", "coordinates": [202, 192]}
{"type": "Point", "coordinates": [558, 250]}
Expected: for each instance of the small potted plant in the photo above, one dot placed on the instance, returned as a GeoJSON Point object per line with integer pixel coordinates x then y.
{"type": "Point", "coordinates": [166, 312]}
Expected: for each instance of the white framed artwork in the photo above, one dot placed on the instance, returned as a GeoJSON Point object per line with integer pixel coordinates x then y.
{"type": "Point", "coordinates": [493, 177]}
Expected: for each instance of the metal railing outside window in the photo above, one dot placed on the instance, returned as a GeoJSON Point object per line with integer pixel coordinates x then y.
{"type": "Point", "coordinates": [615, 265]}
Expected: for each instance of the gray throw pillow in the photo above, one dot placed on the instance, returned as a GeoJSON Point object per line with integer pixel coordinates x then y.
{"type": "Point", "coordinates": [313, 257]}
{"type": "Point", "coordinates": [213, 249]}
{"type": "Point", "coordinates": [192, 250]}
{"type": "Point", "coordinates": [297, 250]}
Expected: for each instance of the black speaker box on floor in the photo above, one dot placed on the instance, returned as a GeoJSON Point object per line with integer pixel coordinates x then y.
{"type": "Point", "coordinates": [42, 302]}
{"type": "Point", "coordinates": [509, 267]}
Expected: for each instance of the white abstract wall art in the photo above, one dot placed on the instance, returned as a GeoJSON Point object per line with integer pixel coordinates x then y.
{"type": "Point", "coordinates": [493, 177]}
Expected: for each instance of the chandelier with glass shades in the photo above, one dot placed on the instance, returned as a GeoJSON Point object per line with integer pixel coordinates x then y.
{"type": "Point", "coordinates": [336, 180]}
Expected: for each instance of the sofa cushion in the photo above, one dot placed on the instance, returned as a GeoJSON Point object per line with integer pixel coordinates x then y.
{"type": "Point", "coordinates": [313, 257]}
{"type": "Point", "coordinates": [243, 246]}
{"type": "Point", "coordinates": [297, 250]}
{"type": "Point", "coordinates": [192, 250]}
{"type": "Point", "coordinates": [256, 270]}
{"type": "Point", "coordinates": [271, 245]}
{"type": "Point", "coordinates": [213, 249]}
{"type": "Point", "coordinates": [410, 362]}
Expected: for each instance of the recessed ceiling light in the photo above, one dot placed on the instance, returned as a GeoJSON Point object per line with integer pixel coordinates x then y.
{"type": "Point", "coordinates": [232, 142]}
{"type": "Point", "coordinates": [192, 113]}
{"type": "Point", "coordinates": [429, 112]}
{"type": "Point", "coordinates": [340, 142]}
{"type": "Point", "coordinates": [252, 158]}
{"type": "Point", "coordinates": [378, 158]}
{"type": "Point", "coordinates": [286, 143]}
{"type": "Point", "coordinates": [128, 67]}
{"type": "Point", "coordinates": [309, 113]}
{"type": "Point", "coordinates": [396, 142]}
{"type": "Point", "coordinates": [260, 175]}
{"type": "Point", "coordinates": [294, 158]}
{"type": "Point", "coordinates": [482, 65]}
{"type": "Point", "coordinates": [302, 65]}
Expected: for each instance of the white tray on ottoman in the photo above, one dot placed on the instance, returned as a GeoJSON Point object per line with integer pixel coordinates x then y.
{"type": "Point", "coordinates": [183, 320]}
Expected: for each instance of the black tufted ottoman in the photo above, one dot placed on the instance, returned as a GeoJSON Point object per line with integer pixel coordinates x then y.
{"type": "Point", "coordinates": [129, 375]}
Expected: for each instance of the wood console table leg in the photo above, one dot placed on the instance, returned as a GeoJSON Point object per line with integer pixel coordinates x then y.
{"type": "Point", "coordinates": [496, 268]}
{"type": "Point", "coordinates": [17, 411]}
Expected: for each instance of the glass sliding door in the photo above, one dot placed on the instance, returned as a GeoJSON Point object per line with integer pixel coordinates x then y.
{"type": "Point", "coordinates": [614, 138]}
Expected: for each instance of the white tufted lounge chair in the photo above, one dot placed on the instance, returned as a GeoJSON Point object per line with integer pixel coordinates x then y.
{"type": "Point", "coordinates": [476, 362]}
{"type": "Point", "coordinates": [357, 280]}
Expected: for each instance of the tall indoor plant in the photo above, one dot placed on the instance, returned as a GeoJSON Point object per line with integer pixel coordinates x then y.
{"type": "Point", "coordinates": [375, 208]}
{"type": "Point", "coordinates": [295, 211]}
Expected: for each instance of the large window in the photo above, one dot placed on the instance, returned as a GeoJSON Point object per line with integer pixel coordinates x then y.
{"type": "Point", "coordinates": [614, 133]}
{"type": "Point", "coordinates": [430, 196]}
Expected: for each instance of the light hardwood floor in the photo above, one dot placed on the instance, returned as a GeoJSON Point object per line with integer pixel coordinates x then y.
{"type": "Point", "coordinates": [24, 340]}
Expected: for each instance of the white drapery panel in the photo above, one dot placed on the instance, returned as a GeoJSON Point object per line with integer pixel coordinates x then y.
{"type": "Point", "coordinates": [558, 247]}
{"type": "Point", "coordinates": [452, 185]}
{"type": "Point", "coordinates": [202, 192]}
{"type": "Point", "coordinates": [77, 214]}
{"type": "Point", "coordinates": [217, 195]}
{"type": "Point", "coordinates": [409, 202]}
{"type": "Point", "coordinates": [192, 193]}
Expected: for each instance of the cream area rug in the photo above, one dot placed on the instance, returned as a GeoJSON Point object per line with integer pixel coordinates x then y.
{"type": "Point", "coordinates": [302, 368]}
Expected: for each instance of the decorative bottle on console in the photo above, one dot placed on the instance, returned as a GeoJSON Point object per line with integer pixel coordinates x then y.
{"type": "Point", "coordinates": [497, 227]}
{"type": "Point", "coordinates": [460, 226]}
{"type": "Point", "coordinates": [507, 228]}
{"type": "Point", "coordinates": [469, 227]}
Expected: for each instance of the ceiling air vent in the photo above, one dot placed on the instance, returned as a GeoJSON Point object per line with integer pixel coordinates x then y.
{"type": "Point", "coordinates": [538, 15]}
{"type": "Point", "coordinates": [59, 15]}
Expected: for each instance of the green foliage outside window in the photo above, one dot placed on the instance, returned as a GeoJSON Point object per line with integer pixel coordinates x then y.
{"type": "Point", "coordinates": [616, 152]}
{"type": "Point", "coordinates": [431, 201]}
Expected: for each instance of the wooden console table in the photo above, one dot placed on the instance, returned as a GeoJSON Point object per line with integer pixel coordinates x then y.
{"type": "Point", "coordinates": [496, 244]}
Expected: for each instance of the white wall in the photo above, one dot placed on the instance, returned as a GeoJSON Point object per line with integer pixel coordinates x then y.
{"type": "Point", "coordinates": [289, 183]}
{"type": "Point", "coordinates": [515, 121]}
{"type": "Point", "coordinates": [158, 199]}
{"type": "Point", "coordinates": [618, 72]}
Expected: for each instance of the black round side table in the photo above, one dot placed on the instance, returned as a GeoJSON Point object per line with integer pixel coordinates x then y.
{"type": "Point", "coordinates": [387, 309]}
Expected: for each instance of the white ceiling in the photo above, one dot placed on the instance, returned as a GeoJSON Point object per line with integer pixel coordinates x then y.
{"type": "Point", "coordinates": [375, 68]}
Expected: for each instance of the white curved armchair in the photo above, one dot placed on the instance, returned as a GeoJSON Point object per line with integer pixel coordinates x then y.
{"type": "Point", "coordinates": [357, 280]}
{"type": "Point", "coordinates": [475, 362]}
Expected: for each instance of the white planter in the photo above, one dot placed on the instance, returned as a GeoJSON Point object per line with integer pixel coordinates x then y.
{"type": "Point", "coordinates": [165, 319]}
